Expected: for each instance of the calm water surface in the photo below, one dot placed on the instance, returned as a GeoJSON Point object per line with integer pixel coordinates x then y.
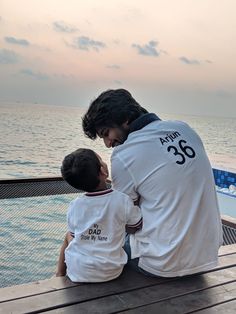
{"type": "Point", "coordinates": [35, 138]}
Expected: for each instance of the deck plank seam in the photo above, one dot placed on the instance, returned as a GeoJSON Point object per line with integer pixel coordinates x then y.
{"type": "Point", "coordinates": [93, 298]}
{"type": "Point", "coordinates": [226, 254]}
{"type": "Point", "coordinates": [215, 269]}
{"type": "Point", "coordinates": [210, 306]}
{"type": "Point", "coordinates": [118, 295]}
{"type": "Point", "coordinates": [181, 295]}
{"type": "Point", "coordinates": [129, 290]}
{"type": "Point", "coordinates": [38, 294]}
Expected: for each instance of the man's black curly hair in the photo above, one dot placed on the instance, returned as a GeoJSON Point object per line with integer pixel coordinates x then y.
{"type": "Point", "coordinates": [81, 169]}
{"type": "Point", "coordinates": [111, 109]}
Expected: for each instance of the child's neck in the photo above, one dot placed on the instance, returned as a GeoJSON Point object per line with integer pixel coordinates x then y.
{"type": "Point", "coordinates": [101, 187]}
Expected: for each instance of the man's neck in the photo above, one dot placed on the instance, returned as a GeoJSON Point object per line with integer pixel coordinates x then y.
{"type": "Point", "coordinates": [142, 121]}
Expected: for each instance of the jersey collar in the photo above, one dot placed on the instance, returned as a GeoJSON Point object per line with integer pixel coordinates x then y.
{"type": "Point", "coordinates": [99, 192]}
{"type": "Point", "coordinates": [142, 121]}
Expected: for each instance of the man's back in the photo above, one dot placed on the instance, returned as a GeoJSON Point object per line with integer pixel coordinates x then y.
{"type": "Point", "coordinates": [166, 164]}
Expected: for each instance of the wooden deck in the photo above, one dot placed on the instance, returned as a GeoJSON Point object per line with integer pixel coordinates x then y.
{"type": "Point", "coordinates": [211, 292]}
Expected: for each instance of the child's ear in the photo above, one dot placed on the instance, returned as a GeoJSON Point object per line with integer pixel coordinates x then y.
{"type": "Point", "coordinates": [103, 171]}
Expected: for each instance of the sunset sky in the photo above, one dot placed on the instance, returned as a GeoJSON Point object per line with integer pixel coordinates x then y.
{"type": "Point", "coordinates": [177, 56]}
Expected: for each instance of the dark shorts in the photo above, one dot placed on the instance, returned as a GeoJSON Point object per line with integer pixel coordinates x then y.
{"type": "Point", "coordinates": [133, 263]}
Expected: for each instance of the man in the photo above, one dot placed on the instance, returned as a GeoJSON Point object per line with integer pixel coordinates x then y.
{"type": "Point", "coordinates": [162, 164]}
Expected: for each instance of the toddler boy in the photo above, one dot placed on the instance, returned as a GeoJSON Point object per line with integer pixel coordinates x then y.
{"type": "Point", "coordinates": [97, 221]}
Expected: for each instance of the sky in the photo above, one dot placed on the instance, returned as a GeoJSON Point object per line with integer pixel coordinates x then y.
{"type": "Point", "coordinates": [176, 56]}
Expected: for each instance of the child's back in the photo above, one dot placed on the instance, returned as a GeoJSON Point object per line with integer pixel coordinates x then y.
{"type": "Point", "coordinates": [93, 247]}
{"type": "Point", "coordinates": [97, 220]}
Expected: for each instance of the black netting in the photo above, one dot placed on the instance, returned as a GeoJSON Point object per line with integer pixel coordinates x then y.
{"type": "Point", "coordinates": [31, 229]}
{"type": "Point", "coordinates": [34, 187]}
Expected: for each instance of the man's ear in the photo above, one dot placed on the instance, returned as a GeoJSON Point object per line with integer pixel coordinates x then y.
{"type": "Point", "coordinates": [125, 125]}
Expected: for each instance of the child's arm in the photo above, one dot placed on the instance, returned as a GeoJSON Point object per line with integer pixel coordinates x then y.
{"type": "Point", "coordinates": [61, 265]}
{"type": "Point", "coordinates": [133, 228]}
{"type": "Point", "coordinates": [135, 220]}
{"type": "Point", "coordinates": [136, 202]}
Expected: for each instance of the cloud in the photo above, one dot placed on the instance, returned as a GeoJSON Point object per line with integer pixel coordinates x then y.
{"type": "Point", "coordinates": [15, 41]}
{"type": "Point", "coordinates": [85, 43]}
{"type": "Point", "coordinates": [148, 49]}
{"type": "Point", "coordinates": [8, 56]}
{"type": "Point", "coordinates": [37, 75]}
{"type": "Point", "coordinates": [113, 66]}
{"type": "Point", "coordinates": [62, 27]}
{"type": "Point", "coordinates": [164, 52]}
{"type": "Point", "coordinates": [189, 61]}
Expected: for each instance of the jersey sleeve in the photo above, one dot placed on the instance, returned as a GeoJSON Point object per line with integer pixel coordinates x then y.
{"type": "Point", "coordinates": [133, 215]}
{"type": "Point", "coordinates": [122, 179]}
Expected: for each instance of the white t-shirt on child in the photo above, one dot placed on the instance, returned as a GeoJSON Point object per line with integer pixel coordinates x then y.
{"type": "Point", "coordinates": [97, 220]}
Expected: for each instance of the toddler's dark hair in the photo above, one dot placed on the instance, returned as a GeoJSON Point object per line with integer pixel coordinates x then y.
{"type": "Point", "coordinates": [81, 169]}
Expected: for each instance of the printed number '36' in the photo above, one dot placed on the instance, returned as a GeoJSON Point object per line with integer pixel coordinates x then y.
{"type": "Point", "coordinates": [186, 151]}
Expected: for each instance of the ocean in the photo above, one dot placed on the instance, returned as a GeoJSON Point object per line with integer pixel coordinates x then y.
{"type": "Point", "coordinates": [34, 140]}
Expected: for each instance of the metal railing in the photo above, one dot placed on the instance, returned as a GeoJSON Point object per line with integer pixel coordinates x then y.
{"type": "Point", "coordinates": [34, 187]}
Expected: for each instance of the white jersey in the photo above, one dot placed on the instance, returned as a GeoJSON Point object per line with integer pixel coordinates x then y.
{"type": "Point", "coordinates": [97, 221]}
{"type": "Point", "coordinates": [166, 164]}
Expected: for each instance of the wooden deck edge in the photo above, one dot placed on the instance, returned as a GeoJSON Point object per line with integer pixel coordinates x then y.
{"type": "Point", "coordinates": [228, 221]}
{"type": "Point", "coordinates": [112, 301]}
{"type": "Point", "coordinates": [58, 283]}
{"type": "Point", "coordinates": [227, 249]}
{"type": "Point", "coordinates": [37, 287]}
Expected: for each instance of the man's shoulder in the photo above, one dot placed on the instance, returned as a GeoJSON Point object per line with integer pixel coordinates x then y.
{"type": "Point", "coordinates": [139, 137]}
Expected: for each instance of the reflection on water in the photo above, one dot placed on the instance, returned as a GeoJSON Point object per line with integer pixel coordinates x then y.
{"type": "Point", "coordinates": [35, 138]}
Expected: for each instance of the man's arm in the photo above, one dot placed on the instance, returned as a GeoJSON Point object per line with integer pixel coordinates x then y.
{"type": "Point", "coordinates": [122, 179]}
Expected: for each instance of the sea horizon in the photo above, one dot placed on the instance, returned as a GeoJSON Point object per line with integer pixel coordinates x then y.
{"type": "Point", "coordinates": [36, 137]}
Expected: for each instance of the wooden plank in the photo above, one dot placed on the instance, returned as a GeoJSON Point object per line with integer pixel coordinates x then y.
{"type": "Point", "coordinates": [117, 297]}
{"type": "Point", "coordinates": [189, 303]}
{"type": "Point", "coordinates": [228, 307]}
{"type": "Point", "coordinates": [228, 220]}
{"type": "Point", "coordinates": [182, 296]}
{"type": "Point", "coordinates": [129, 280]}
{"type": "Point", "coordinates": [53, 284]}
{"type": "Point", "coordinates": [226, 261]}
{"type": "Point", "coordinates": [227, 249]}
{"type": "Point", "coordinates": [37, 287]}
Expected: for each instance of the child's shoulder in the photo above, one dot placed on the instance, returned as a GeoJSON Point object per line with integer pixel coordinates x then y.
{"type": "Point", "coordinates": [79, 199]}
{"type": "Point", "coordinates": [120, 194]}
